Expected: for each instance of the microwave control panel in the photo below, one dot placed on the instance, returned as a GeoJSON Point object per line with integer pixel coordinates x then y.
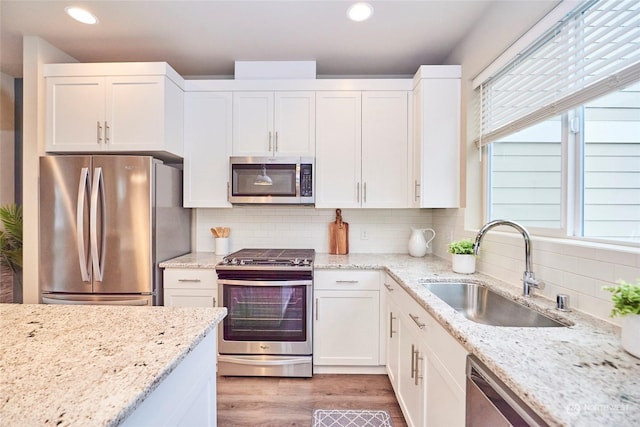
{"type": "Point", "coordinates": [306, 180]}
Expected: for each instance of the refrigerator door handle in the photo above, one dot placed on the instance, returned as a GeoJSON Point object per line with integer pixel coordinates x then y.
{"type": "Point", "coordinates": [82, 252]}
{"type": "Point", "coordinates": [97, 257]}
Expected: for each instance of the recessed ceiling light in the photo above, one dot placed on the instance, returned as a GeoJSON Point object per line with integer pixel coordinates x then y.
{"type": "Point", "coordinates": [360, 12]}
{"type": "Point", "coordinates": [81, 15]}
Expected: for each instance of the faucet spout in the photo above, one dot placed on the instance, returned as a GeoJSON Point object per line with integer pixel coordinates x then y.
{"type": "Point", "coordinates": [528, 279]}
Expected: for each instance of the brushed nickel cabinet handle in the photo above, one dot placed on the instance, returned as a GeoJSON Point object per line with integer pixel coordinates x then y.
{"type": "Point", "coordinates": [364, 193]}
{"type": "Point", "coordinates": [347, 281]}
{"type": "Point", "coordinates": [391, 319]}
{"type": "Point", "coordinates": [99, 131]}
{"type": "Point", "coordinates": [416, 319]}
{"type": "Point", "coordinates": [189, 280]}
{"type": "Point", "coordinates": [389, 288]}
{"type": "Point", "coordinates": [316, 308]}
{"type": "Point", "coordinates": [416, 193]}
{"type": "Point", "coordinates": [269, 140]}
{"type": "Point", "coordinates": [358, 192]}
{"type": "Point", "coordinates": [106, 132]}
{"type": "Point", "coordinates": [413, 363]}
{"type": "Point", "coordinates": [276, 143]}
{"type": "Point", "coordinates": [417, 359]}
{"type": "Point", "coordinates": [215, 304]}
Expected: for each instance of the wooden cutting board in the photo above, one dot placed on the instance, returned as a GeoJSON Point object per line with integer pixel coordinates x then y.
{"type": "Point", "coordinates": [338, 235]}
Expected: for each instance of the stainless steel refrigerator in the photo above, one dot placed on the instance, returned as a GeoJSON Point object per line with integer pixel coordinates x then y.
{"type": "Point", "coordinates": [106, 221]}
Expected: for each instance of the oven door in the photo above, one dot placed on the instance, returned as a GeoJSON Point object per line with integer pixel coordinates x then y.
{"type": "Point", "coordinates": [266, 317]}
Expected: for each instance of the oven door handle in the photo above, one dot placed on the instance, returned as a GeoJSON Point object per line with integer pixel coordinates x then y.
{"type": "Point", "coordinates": [279, 283]}
{"type": "Point", "coordinates": [264, 362]}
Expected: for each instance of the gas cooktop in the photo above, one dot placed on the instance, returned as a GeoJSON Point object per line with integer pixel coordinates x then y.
{"type": "Point", "coordinates": [269, 259]}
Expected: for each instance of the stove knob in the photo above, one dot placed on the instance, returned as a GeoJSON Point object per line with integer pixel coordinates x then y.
{"type": "Point", "coordinates": [234, 261]}
{"type": "Point", "coordinates": [241, 262]}
{"type": "Point", "coordinates": [306, 262]}
{"type": "Point", "coordinates": [295, 261]}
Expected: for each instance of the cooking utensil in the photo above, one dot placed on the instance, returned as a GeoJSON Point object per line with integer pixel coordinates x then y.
{"type": "Point", "coordinates": [338, 235]}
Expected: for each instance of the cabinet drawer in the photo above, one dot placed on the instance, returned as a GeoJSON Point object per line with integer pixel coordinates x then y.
{"type": "Point", "coordinates": [348, 280]}
{"type": "Point", "coordinates": [191, 278]}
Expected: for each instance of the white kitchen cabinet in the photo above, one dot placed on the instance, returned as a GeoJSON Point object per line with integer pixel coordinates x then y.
{"type": "Point", "coordinates": [112, 113]}
{"type": "Point", "coordinates": [436, 140]}
{"type": "Point", "coordinates": [207, 146]}
{"type": "Point", "coordinates": [274, 123]}
{"type": "Point", "coordinates": [426, 365]}
{"type": "Point", "coordinates": [346, 318]}
{"type": "Point", "coordinates": [190, 287]}
{"type": "Point", "coordinates": [362, 153]}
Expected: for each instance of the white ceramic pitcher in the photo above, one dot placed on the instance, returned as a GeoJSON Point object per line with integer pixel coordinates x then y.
{"type": "Point", "coordinates": [418, 244]}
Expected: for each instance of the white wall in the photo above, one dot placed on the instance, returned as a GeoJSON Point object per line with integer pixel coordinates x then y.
{"type": "Point", "coordinates": [387, 230]}
{"type": "Point", "coordinates": [36, 53]}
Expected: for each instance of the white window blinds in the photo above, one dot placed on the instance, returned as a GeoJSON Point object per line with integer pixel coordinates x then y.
{"type": "Point", "coordinates": [593, 51]}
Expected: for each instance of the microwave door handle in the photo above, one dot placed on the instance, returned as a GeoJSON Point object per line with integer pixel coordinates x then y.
{"type": "Point", "coordinates": [80, 239]}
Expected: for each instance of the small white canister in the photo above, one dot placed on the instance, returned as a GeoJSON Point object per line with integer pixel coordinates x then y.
{"type": "Point", "coordinates": [222, 246]}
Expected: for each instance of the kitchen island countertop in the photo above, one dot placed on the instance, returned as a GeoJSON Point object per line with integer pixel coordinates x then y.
{"type": "Point", "coordinates": [573, 376]}
{"type": "Point", "coordinates": [90, 365]}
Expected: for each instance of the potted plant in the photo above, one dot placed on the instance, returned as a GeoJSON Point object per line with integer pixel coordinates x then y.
{"type": "Point", "coordinates": [463, 259]}
{"type": "Point", "coordinates": [11, 243]}
{"type": "Point", "coordinates": [626, 303]}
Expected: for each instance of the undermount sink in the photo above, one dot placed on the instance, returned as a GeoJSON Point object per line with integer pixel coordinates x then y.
{"type": "Point", "coordinates": [480, 304]}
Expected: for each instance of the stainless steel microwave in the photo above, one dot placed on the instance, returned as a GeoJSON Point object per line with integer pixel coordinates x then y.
{"type": "Point", "coordinates": [272, 180]}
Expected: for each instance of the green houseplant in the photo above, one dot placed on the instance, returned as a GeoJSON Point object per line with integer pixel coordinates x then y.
{"type": "Point", "coordinates": [11, 239]}
{"type": "Point", "coordinates": [463, 259]}
{"type": "Point", "coordinates": [626, 303]}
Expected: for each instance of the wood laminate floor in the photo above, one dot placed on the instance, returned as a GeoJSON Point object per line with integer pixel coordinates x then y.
{"type": "Point", "coordinates": [276, 402]}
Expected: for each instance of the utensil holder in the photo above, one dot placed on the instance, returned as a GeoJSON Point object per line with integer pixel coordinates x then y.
{"type": "Point", "coordinates": [222, 246]}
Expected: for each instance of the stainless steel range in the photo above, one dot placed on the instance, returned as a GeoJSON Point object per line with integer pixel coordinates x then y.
{"type": "Point", "coordinates": [268, 328]}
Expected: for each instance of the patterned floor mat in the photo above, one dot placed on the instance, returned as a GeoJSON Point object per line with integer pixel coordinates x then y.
{"type": "Point", "coordinates": [350, 418]}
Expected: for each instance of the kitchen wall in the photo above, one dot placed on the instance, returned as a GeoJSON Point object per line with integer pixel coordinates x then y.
{"type": "Point", "coordinates": [370, 230]}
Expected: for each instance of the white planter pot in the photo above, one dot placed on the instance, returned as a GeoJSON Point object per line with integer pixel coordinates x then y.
{"type": "Point", "coordinates": [630, 336]}
{"type": "Point", "coordinates": [465, 264]}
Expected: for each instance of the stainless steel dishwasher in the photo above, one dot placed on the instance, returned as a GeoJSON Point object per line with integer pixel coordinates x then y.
{"type": "Point", "coordinates": [491, 404]}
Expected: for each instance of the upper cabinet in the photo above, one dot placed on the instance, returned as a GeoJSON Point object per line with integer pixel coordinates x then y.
{"type": "Point", "coordinates": [362, 154]}
{"type": "Point", "coordinates": [207, 146]}
{"type": "Point", "coordinates": [281, 123]}
{"type": "Point", "coordinates": [115, 108]}
{"type": "Point", "coordinates": [436, 140]}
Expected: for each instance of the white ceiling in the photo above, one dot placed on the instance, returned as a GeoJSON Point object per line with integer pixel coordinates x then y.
{"type": "Point", "coordinates": [205, 37]}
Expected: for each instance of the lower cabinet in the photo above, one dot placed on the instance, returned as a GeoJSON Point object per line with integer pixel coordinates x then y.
{"type": "Point", "coordinates": [190, 287]}
{"type": "Point", "coordinates": [425, 364]}
{"type": "Point", "coordinates": [346, 318]}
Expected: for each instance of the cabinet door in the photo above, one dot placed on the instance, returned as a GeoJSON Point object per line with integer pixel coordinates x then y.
{"type": "Point", "coordinates": [338, 149]}
{"type": "Point", "coordinates": [446, 401]}
{"type": "Point", "coordinates": [135, 113]}
{"type": "Point", "coordinates": [253, 124]}
{"type": "Point", "coordinates": [75, 114]}
{"type": "Point", "coordinates": [392, 337]}
{"type": "Point", "coordinates": [295, 124]}
{"type": "Point", "coordinates": [346, 328]}
{"type": "Point", "coordinates": [207, 145]}
{"type": "Point", "coordinates": [411, 389]}
{"type": "Point", "coordinates": [386, 171]}
{"type": "Point", "coordinates": [437, 135]}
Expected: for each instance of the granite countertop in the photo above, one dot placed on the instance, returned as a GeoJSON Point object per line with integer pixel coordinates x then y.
{"type": "Point", "coordinates": [90, 365]}
{"type": "Point", "coordinates": [573, 376]}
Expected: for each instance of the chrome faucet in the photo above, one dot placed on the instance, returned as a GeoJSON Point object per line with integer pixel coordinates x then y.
{"type": "Point", "coordinates": [529, 280]}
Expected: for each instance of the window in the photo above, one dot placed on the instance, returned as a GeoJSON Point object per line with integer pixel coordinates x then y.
{"type": "Point", "coordinates": [562, 127]}
{"type": "Point", "coordinates": [526, 172]}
